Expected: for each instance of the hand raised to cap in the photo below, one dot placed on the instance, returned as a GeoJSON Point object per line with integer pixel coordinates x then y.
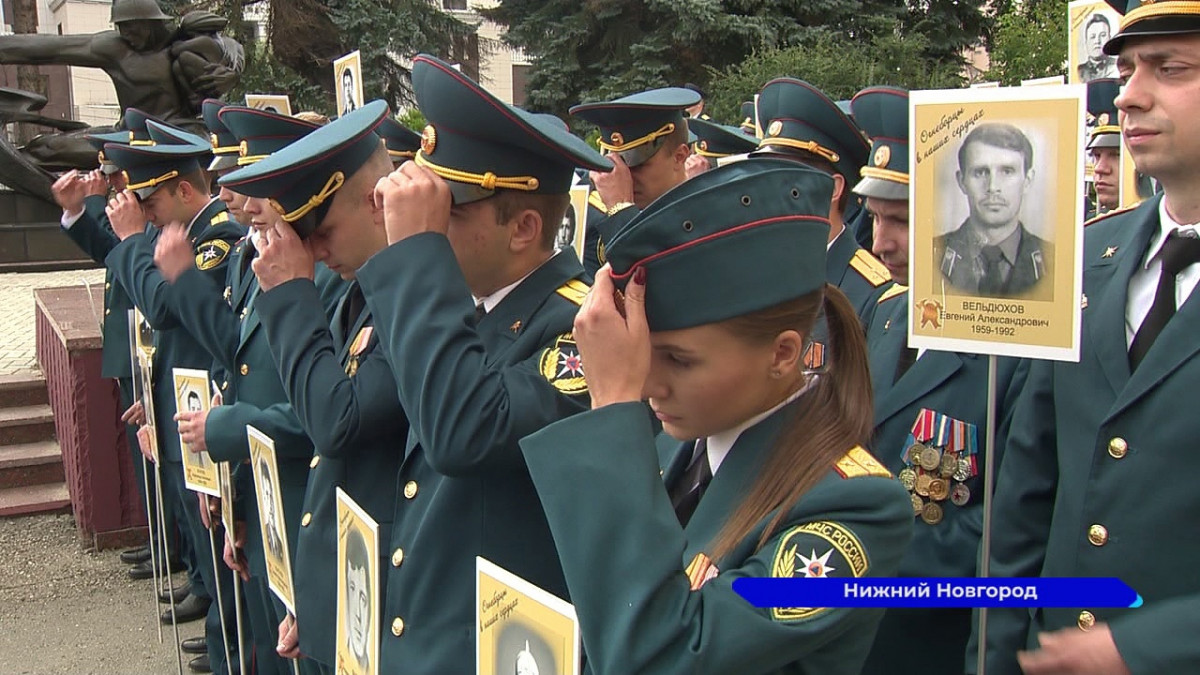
{"type": "Point", "coordinates": [126, 215]}
{"type": "Point", "coordinates": [614, 339]}
{"type": "Point", "coordinates": [414, 200]}
{"type": "Point", "coordinates": [173, 253]}
{"type": "Point", "coordinates": [282, 256]}
{"type": "Point", "coordinates": [616, 186]}
{"type": "Point", "coordinates": [69, 191]}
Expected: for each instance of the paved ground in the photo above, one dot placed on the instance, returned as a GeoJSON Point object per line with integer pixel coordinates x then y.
{"type": "Point", "coordinates": [16, 299]}
{"type": "Point", "coordinates": [64, 611]}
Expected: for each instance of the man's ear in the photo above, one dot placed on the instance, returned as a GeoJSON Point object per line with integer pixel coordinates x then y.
{"type": "Point", "coordinates": [681, 154]}
{"type": "Point", "coordinates": [527, 230]}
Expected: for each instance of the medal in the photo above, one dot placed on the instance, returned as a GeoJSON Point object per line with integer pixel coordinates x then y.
{"type": "Point", "coordinates": [962, 470]}
{"type": "Point", "coordinates": [908, 478]}
{"type": "Point", "coordinates": [913, 456]}
{"type": "Point", "coordinates": [931, 458]}
{"type": "Point", "coordinates": [939, 489]}
{"type": "Point", "coordinates": [949, 464]}
{"type": "Point", "coordinates": [960, 495]}
{"type": "Point", "coordinates": [918, 504]}
{"type": "Point", "coordinates": [932, 513]}
{"type": "Point", "coordinates": [922, 484]}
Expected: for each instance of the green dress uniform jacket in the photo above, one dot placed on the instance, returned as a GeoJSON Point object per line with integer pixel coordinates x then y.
{"type": "Point", "coordinates": [95, 237]}
{"type": "Point", "coordinates": [132, 261]}
{"type": "Point", "coordinates": [954, 385]}
{"type": "Point", "coordinates": [471, 393]}
{"type": "Point", "coordinates": [235, 343]}
{"type": "Point", "coordinates": [625, 555]}
{"type": "Point", "coordinates": [1096, 479]}
{"type": "Point", "coordinates": [344, 395]}
{"type": "Point", "coordinates": [857, 273]}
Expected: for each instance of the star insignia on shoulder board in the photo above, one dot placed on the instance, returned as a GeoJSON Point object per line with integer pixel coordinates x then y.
{"type": "Point", "coordinates": [1109, 252]}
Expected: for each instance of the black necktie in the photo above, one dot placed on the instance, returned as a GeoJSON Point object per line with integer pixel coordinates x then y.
{"type": "Point", "coordinates": [687, 491]}
{"type": "Point", "coordinates": [992, 282]}
{"type": "Point", "coordinates": [355, 303]}
{"type": "Point", "coordinates": [907, 358]}
{"type": "Point", "coordinates": [1179, 250]}
{"type": "Point", "coordinates": [479, 312]}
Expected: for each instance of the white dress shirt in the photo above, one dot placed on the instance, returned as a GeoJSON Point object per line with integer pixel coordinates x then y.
{"type": "Point", "coordinates": [720, 444]}
{"type": "Point", "coordinates": [1144, 282]}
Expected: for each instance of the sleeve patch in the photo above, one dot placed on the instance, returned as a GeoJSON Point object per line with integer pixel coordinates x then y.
{"type": "Point", "coordinates": [859, 462]}
{"type": "Point", "coordinates": [896, 290]}
{"type": "Point", "coordinates": [574, 290]}
{"type": "Point", "coordinates": [821, 549]}
{"type": "Point", "coordinates": [870, 268]}
{"type": "Point", "coordinates": [211, 254]}
{"type": "Point", "coordinates": [562, 366]}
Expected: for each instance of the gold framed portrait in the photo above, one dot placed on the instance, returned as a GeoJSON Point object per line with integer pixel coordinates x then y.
{"type": "Point", "coordinates": [347, 82]}
{"type": "Point", "coordinates": [270, 517]}
{"type": "Point", "coordinates": [191, 395]}
{"type": "Point", "coordinates": [521, 628]}
{"type": "Point", "coordinates": [1090, 23]}
{"type": "Point", "coordinates": [358, 589]}
{"type": "Point", "coordinates": [279, 104]}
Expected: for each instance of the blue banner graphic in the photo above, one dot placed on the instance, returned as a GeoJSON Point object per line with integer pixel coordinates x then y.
{"type": "Point", "coordinates": [937, 592]}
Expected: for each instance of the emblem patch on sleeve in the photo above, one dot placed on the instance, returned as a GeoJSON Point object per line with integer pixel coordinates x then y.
{"type": "Point", "coordinates": [562, 366]}
{"type": "Point", "coordinates": [816, 550]}
{"type": "Point", "coordinates": [211, 253]}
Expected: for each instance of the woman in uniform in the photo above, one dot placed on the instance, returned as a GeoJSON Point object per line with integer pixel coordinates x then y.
{"type": "Point", "coordinates": [759, 471]}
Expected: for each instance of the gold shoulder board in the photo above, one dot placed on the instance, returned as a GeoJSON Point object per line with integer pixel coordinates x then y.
{"type": "Point", "coordinates": [898, 289]}
{"type": "Point", "coordinates": [859, 462]}
{"type": "Point", "coordinates": [870, 268]}
{"type": "Point", "coordinates": [574, 290]}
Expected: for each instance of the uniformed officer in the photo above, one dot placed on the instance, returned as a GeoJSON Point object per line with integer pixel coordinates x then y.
{"type": "Point", "coordinates": [223, 318]}
{"type": "Point", "coordinates": [646, 137]}
{"type": "Point", "coordinates": [802, 124]}
{"type": "Point", "coordinates": [473, 307]}
{"type": "Point", "coordinates": [713, 327]}
{"type": "Point", "coordinates": [929, 407]}
{"type": "Point", "coordinates": [334, 373]}
{"type": "Point", "coordinates": [1104, 146]}
{"type": "Point", "coordinates": [402, 143]}
{"type": "Point", "coordinates": [696, 111]}
{"type": "Point", "coordinates": [1097, 476]}
{"type": "Point", "coordinates": [167, 185]}
{"type": "Point", "coordinates": [715, 141]}
{"type": "Point", "coordinates": [226, 150]}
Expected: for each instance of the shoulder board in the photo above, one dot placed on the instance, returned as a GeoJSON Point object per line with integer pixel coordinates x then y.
{"type": "Point", "coordinates": [859, 462]}
{"type": "Point", "coordinates": [870, 268]}
{"type": "Point", "coordinates": [594, 200]}
{"type": "Point", "coordinates": [222, 217]}
{"type": "Point", "coordinates": [211, 253]}
{"type": "Point", "coordinates": [1110, 214]}
{"type": "Point", "coordinates": [898, 289]}
{"type": "Point", "coordinates": [574, 290]}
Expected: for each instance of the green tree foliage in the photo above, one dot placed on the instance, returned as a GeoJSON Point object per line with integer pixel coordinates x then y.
{"type": "Point", "coordinates": [838, 69]}
{"type": "Point", "coordinates": [598, 49]}
{"type": "Point", "coordinates": [1030, 41]}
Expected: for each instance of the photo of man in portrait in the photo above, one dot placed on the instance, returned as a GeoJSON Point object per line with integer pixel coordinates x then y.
{"type": "Point", "coordinates": [348, 102]}
{"type": "Point", "coordinates": [566, 231]}
{"type": "Point", "coordinates": [194, 404]}
{"type": "Point", "coordinates": [992, 253]}
{"type": "Point", "coordinates": [358, 600]}
{"type": "Point", "coordinates": [270, 516]}
{"type": "Point", "coordinates": [1095, 33]}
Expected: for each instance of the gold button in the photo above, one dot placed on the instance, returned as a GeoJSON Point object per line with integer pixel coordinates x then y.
{"type": "Point", "coordinates": [306, 520]}
{"type": "Point", "coordinates": [1098, 535]}
{"type": "Point", "coordinates": [107, 312]}
{"type": "Point", "coordinates": [397, 626]}
{"type": "Point", "coordinates": [1117, 447]}
{"type": "Point", "coordinates": [1086, 620]}
{"type": "Point", "coordinates": [315, 461]}
{"type": "Point", "coordinates": [397, 557]}
{"type": "Point", "coordinates": [245, 369]}
{"type": "Point", "coordinates": [410, 489]}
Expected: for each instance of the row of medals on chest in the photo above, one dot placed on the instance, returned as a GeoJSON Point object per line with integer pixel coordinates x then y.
{"type": "Point", "coordinates": [929, 476]}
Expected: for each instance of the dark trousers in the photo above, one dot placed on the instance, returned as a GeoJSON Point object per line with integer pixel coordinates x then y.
{"type": "Point", "coordinates": [125, 388]}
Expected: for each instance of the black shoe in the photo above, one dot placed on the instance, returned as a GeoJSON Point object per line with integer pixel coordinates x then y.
{"type": "Point", "coordinates": [134, 556]}
{"type": "Point", "coordinates": [143, 570]}
{"type": "Point", "coordinates": [179, 593]}
{"type": "Point", "coordinates": [200, 664]}
{"type": "Point", "coordinates": [196, 645]}
{"type": "Point", "coordinates": [191, 609]}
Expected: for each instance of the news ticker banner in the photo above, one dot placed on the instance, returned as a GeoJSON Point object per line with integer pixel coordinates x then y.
{"type": "Point", "coordinates": [937, 592]}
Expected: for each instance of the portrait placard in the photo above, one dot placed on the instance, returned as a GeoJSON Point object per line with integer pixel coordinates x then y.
{"type": "Point", "coordinates": [1136, 186]}
{"type": "Point", "coordinates": [143, 344]}
{"type": "Point", "coordinates": [225, 483]}
{"type": "Point", "coordinates": [994, 205]}
{"type": "Point", "coordinates": [572, 231]}
{"type": "Point", "coordinates": [1044, 81]}
{"type": "Point", "coordinates": [1090, 24]}
{"type": "Point", "coordinates": [520, 627]}
{"type": "Point", "coordinates": [279, 104]}
{"type": "Point", "coordinates": [358, 589]}
{"type": "Point", "coordinates": [270, 516]}
{"type": "Point", "coordinates": [191, 395]}
{"type": "Point", "coordinates": [347, 82]}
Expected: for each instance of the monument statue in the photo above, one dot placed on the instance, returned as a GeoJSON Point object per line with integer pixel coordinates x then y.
{"type": "Point", "coordinates": [164, 71]}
